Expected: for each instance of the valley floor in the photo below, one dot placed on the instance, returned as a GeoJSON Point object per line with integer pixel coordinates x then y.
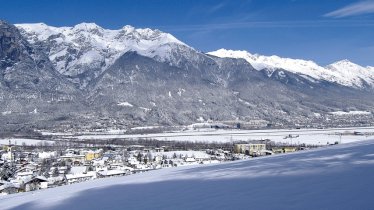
{"type": "Point", "coordinates": [301, 136]}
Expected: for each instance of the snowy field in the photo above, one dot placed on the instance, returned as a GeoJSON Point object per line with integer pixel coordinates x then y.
{"type": "Point", "coordinates": [20, 141]}
{"type": "Point", "coordinates": [335, 177]}
{"type": "Point", "coordinates": [308, 136]}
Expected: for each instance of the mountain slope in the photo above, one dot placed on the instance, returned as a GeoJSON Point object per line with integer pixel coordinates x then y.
{"type": "Point", "coordinates": [338, 177]}
{"type": "Point", "coordinates": [30, 88]}
{"type": "Point", "coordinates": [342, 72]}
{"type": "Point", "coordinates": [138, 89]}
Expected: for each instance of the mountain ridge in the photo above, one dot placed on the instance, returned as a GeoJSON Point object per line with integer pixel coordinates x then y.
{"type": "Point", "coordinates": [100, 47]}
{"type": "Point", "coordinates": [356, 76]}
{"type": "Point", "coordinates": [133, 77]}
{"type": "Point", "coordinates": [86, 49]}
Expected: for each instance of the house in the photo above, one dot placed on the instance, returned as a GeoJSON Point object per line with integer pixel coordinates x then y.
{"type": "Point", "coordinates": [159, 149]}
{"type": "Point", "coordinates": [36, 183]}
{"type": "Point", "coordinates": [57, 181]}
{"type": "Point", "coordinates": [190, 160]}
{"type": "Point", "coordinates": [201, 156]}
{"type": "Point", "coordinates": [132, 161]}
{"type": "Point", "coordinates": [252, 149]}
{"type": "Point", "coordinates": [74, 159]}
{"type": "Point", "coordinates": [278, 150]}
{"type": "Point", "coordinates": [47, 155]}
{"type": "Point", "coordinates": [25, 174]}
{"type": "Point", "coordinates": [74, 178]}
{"type": "Point", "coordinates": [111, 173]}
{"type": "Point", "coordinates": [289, 149]}
{"type": "Point", "coordinates": [210, 162]}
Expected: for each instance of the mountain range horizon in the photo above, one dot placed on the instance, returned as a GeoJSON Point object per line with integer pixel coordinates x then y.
{"type": "Point", "coordinates": [66, 77]}
{"type": "Point", "coordinates": [127, 26]}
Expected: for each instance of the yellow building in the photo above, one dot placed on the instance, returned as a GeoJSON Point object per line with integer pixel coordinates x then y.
{"type": "Point", "coordinates": [90, 155]}
{"type": "Point", "coordinates": [289, 149]}
{"type": "Point", "coordinates": [9, 152]}
{"type": "Point", "coordinates": [278, 150]}
{"type": "Point", "coordinates": [250, 149]}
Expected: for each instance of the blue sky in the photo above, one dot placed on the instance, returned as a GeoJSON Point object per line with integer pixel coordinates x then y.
{"type": "Point", "coordinates": [321, 30]}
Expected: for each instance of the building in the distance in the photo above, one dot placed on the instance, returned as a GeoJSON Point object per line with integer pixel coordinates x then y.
{"type": "Point", "coordinates": [252, 149]}
{"type": "Point", "coordinates": [9, 152]}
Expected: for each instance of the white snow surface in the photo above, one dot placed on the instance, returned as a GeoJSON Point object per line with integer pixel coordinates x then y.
{"type": "Point", "coordinates": [125, 104]}
{"type": "Point", "coordinates": [342, 72]}
{"type": "Point", "coordinates": [307, 136]}
{"type": "Point", "coordinates": [335, 177]}
{"type": "Point", "coordinates": [196, 154]}
{"type": "Point", "coordinates": [98, 46]}
{"type": "Point", "coordinates": [20, 141]}
{"type": "Point", "coordinates": [341, 113]}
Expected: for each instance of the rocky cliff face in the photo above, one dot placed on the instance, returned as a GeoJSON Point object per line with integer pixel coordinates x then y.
{"type": "Point", "coordinates": [30, 88]}
{"type": "Point", "coordinates": [12, 46]}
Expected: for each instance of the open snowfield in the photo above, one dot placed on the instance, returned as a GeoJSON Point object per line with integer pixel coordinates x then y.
{"type": "Point", "coordinates": [307, 136]}
{"type": "Point", "coordinates": [20, 141]}
{"type": "Point", "coordinates": [335, 177]}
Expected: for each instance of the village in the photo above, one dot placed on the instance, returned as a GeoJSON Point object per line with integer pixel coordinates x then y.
{"type": "Point", "coordinates": [29, 168]}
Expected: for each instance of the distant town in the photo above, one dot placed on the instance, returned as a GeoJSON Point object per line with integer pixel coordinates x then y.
{"type": "Point", "coordinates": [55, 159]}
{"type": "Point", "coordinates": [26, 168]}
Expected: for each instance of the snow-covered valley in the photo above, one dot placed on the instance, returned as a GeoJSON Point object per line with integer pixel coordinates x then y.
{"type": "Point", "coordinates": [304, 136]}
{"type": "Point", "coordinates": [336, 177]}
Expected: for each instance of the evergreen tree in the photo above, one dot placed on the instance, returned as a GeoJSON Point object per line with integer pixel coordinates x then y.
{"type": "Point", "coordinates": [139, 157]}
{"type": "Point", "coordinates": [55, 173]}
{"type": "Point", "coordinates": [7, 171]}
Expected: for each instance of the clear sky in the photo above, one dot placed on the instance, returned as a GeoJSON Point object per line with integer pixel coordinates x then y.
{"type": "Point", "coordinates": [321, 30]}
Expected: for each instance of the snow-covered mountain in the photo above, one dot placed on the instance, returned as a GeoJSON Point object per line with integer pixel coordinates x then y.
{"type": "Point", "coordinates": [87, 49]}
{"type": "Point", "coordinates": [337, 177]}
{"type": "Point", "coordinates": [84, 51]}
{"type": "Point", "coordinates": [342, 72]}
{"type": "Point", "coordinates": [353, 73]}
{"type": "Point", "coordinates": [28, 79]}
{"type": "Point", "coordinates": [91, 71]}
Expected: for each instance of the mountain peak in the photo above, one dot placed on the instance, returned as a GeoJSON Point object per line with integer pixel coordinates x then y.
{"type": "Point", "coordinates": [87, 26]}
{"type": "Point", "coordinates": [128, 28]}
{"type": "Point", "coordinates": [346, 64]}
{"type": "Point", "coordinates": [344, 61]}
